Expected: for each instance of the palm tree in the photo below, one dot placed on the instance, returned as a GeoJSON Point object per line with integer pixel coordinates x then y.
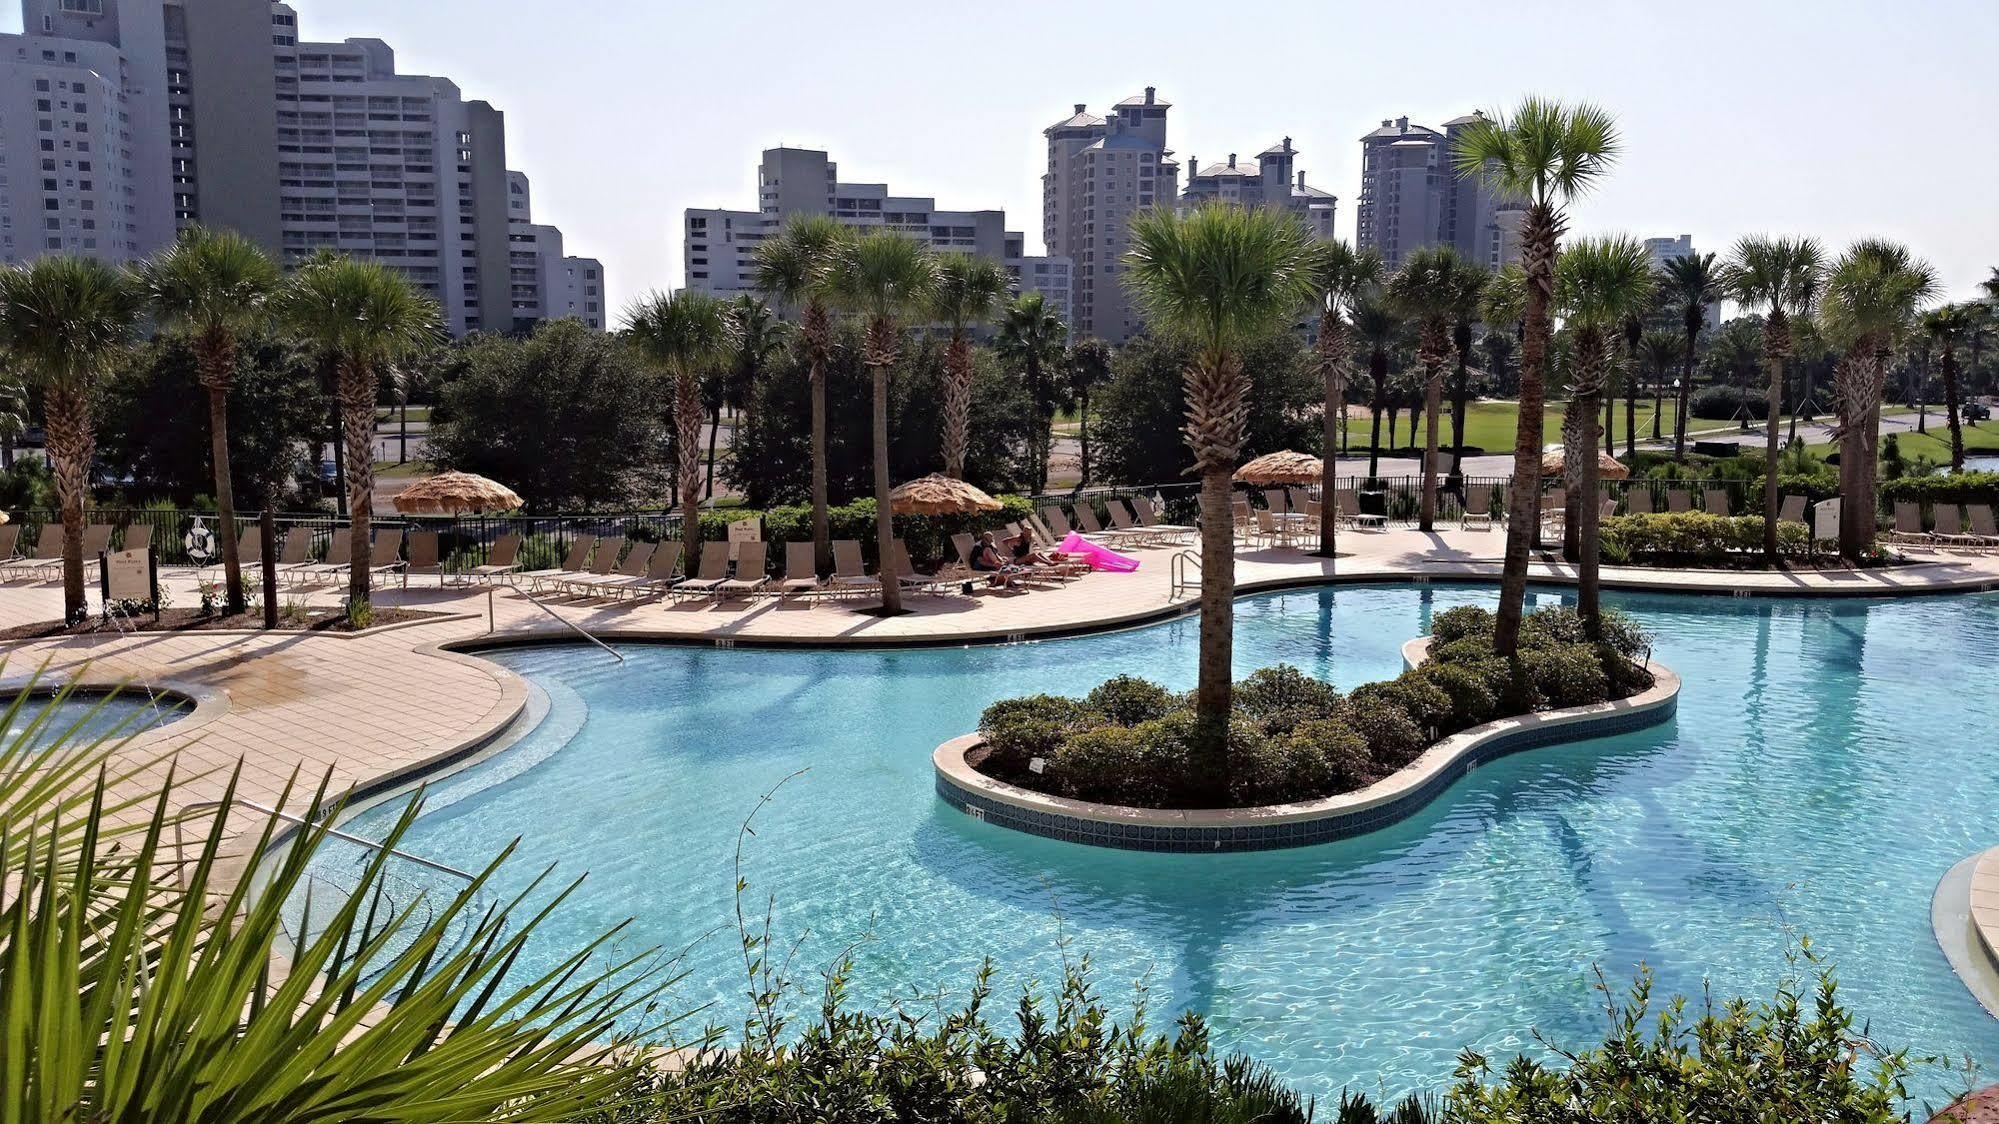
{"type": "Point", "coordinates": [792, 271]}
{"type": "Point", "coordinates": [968, 289]}
{"type": "Point", "coordinates": [755, 334]}
{"type": "Point", "coordinates": [1089, 368]}
{"type": "Point", "coordinates": [1600, 284]}
{"type": "Point", "coordinates": [1032, 335]}
{"type": "Point", "coordinates": [14, 416]}
{"type": "Point", "coordinates": [883, 278]}
{"type": "Point", "coordinates": [1223, 277]}
{"type": "Point", "coordinates": [1779, 277]}
{"type": "Point", "coordinates": [214, 286]}
{"type": "Point", "coordinates": [1428, 289]}
{"type": "Point", "coordinates": [65, 321]}
{"type": "Point", "coordinates": [1465, 305]}
{"type": "Point", "coordinates": [1546, 154]}
{"type": "Point", "coordinates": [1340, 274]}
{"type": "Point", "coordinates": [686, 334]}
{"type": "Point", "coordinates": [1871, 295]}
{"type": "Point", "coordinates": [1657, 352]}
{"type": "Point", "coordinates": [1691, 284]}
{"type": "Point", "coordinates": [367, 317]}
{"type": "Point", "coordinates": [1634, 334]}
{"type": "Point", "coordinates": [1948, 326]}
{"type": "Point", "coordinates": [1375, 325]}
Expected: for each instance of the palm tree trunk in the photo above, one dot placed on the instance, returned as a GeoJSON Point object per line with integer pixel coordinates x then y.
{"type": "Point", "coordinates": [1578, 449]}
{"type": "Point", "coordinates": [1631, 411]}
{"type": "Point", "coordinates": [884, 518]}
{"type": "Point", "coordinates": [1433, 396]}
{"type": "Point", "coordinates": [1083, 434]}
{"type": "Point", "coordinates": [1460, 403]}
{"type": "Point", "coordinates": [817, 331]}
{"type": "Point", "coordinates": [1609, 424]}
{"type": "Point", "coordinates": [357, 408]}
{"type": "Point", "coordinates": [1776, 343]}
{"type": "Point", "coordinates": [1948, 361]}
{"type": "Point", "coordinates": [957, 404]}
{"type": "Point", "coordinates": [1658, 400]}
{"type": "Point", "coordinates": [714, 432]}
{"type": "Point", "coordinates": [403, 438]}
{"type": "Point", "coordinates": [1332, 368]}
{"type": "Point", "coordinates": [1588, 522]}
{"type": "Point", "coordinates": [1214, 690]}
{"type": "Point", "coordinates": [218, 366]}
{"type": "Point", "coordinates": [1540, 232]}
{"type": "Point", "coordinates": [687, 439]}
{"type": "Point", "coordinates": [70, 443]}
{"type": "Point", "coordinates": [1374, 445]}
{"type": "Point", "coordinates": [1686, 396]}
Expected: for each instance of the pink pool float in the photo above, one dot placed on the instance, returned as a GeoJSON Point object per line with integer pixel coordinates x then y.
{"type": "Point", "coordinates": [1099, 557]}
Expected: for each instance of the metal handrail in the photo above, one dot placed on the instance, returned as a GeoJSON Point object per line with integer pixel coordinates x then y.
{"type": "Point", "coordinates": [206, 805]}
{"type": "Point", "coordinates": [1178, 566]}
{"type": "Point", "coordinates": [572, 625]}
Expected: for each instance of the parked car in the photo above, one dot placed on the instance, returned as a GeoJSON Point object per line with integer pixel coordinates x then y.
{"type": "Point", "coordinates": [1976, 411]}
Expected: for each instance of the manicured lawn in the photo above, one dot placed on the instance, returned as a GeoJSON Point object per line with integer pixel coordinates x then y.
{"type": "Point", "coordinates": [392, 415]}
{"type": "Point", "coordinates": [1491, 425]}
{"type": "Point", "coordinates": [1979, 438]}
{"type": "Point", "coordinates": [408, 468]}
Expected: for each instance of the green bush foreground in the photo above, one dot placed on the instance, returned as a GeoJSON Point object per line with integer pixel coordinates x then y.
{"type": "Point", "coordinates": [1295, 738]}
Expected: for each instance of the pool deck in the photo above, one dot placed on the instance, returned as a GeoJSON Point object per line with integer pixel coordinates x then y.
{"type": "Point", "coordinates": [368, 710]}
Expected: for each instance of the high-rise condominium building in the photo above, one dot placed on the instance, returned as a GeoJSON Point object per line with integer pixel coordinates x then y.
{"type": "Point", "coordinates": [1411, 196]}
{"type": "Point", "coordinates": [720, 245]}
{"type": "Point", "coordinates": [1271, 180]}
{"type": "Point", "coordinates": [1101, 172]}
{"type": "Point", "coordinates": [545, 283]}
{"type": "Point", "coordinates": [1664, 250]}
{"type": "Point", "coordinates": [123, 120]}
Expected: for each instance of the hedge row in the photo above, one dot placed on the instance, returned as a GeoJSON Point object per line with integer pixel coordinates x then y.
{"type": "Point", "coordinates": [1961, 487]}
{"type": "Point", "coordinates": [1130, 741]}
{"type": "Point", "coordinates": [1695, 536]}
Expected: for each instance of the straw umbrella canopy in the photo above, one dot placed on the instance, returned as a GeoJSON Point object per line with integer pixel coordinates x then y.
{"type": "Point", "coordinates": [937, 494]}
{"type": "Point", "coordinates": [456, 493]}
{"type": "Point", "coordinates": [1286, 467]}
{"type": "Point", "coordinates": [1609, 467]}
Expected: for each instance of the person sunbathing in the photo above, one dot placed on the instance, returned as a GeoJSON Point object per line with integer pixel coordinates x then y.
{"type": "Point", "coordinates": [988, 559]}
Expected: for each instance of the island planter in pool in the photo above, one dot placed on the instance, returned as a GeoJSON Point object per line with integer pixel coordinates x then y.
{"type": "Point", "coordinates": [1321, 820]}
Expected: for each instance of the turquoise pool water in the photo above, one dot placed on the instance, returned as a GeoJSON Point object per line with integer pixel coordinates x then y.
{"type": "Point", "coordinates": [1829, 762]}
{"type": "Point", "coordinates": [82, 718]}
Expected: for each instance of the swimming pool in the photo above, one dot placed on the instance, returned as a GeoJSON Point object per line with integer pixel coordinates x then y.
{"type": "Point", "coordinates": [84, 716]}
{"type": "Point", "coordinates": [1830, 760]}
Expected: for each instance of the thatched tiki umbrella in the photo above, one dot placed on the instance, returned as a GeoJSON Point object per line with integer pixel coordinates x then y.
{"type": "Point", "coordinates": [456, 493]}
{"type": "Point", "coordinates": [937, 494]}
{"type": "Point", "coordinates": [1609, 467]}
{"type": "Point", "coordinates": [1286, 467]}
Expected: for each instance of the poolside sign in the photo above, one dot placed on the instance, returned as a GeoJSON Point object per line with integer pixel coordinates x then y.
{"type": "Point", "coordinates": [130, 576]}
{"type": "Point", "coordinates": [1825, 520]}
{"type": "Point", "coordinates": [742, 531]}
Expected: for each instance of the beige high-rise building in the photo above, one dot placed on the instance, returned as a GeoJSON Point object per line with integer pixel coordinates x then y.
{"type": "Point", "coordinates": [1411, 196]}
{"type": "Point", "coordinates": [1271, 180]}
{"type": "Point", "coordinates": [1101, 172]}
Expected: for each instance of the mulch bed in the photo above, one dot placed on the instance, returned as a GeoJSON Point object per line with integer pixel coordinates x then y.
{"type": "Point", "coordinates": [192, 620]}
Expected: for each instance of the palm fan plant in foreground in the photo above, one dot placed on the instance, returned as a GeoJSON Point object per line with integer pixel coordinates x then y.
{"type": "Point", "coordinates": [1340, 275]}
{"type": "Point", "coordinates": [686, 333]}
{"type": "Point", "coordinates": [792, 271]}
{"type": "Point", "coordinates": [1223, 277]}
{"type": "Point", "coordinates": [366, 317]}
{"type": "Point", "coordinates": [1546, 154]}
{"type": "Point", "coordinates": [214, 286]}
{"type": "Point", "coordinates": [65, 321]}
{"type": "Point", "coordinates": [1780, 276]}
{"type": "Point", "coordinates": [139, 985]}
{"type": "Point", "coordinates": [968, 289]}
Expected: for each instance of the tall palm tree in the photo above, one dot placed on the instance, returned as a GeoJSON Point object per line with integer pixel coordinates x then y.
{"type": "Point", "coordinates": [687, 334]}
{"type": "Point", "coordinates": [1691, 284]}
{"type": "Point", "coordinates": [1223, 277]}
{"type": "Point", "coordinates": [1657, 352]}
{"type": "Point", "coordinates": [213, 286]}
{"type": "Point", "coordinates": [1871, 296]}
{"type": "Point", "coordinates": [1949, 326]}
{"type": "Point", "coordinates": [1780, 278]}
{"type": "Point", "coordinates": [1376, 326]}
{"type": "Point", "coordinates": [1340, 275]}
{"type": "Point", "coordinates": [1634, 334]}
{"type": "Point", "coordinates": [1429, 289]}
{"type": "Point", "coordinates": [968, 289]}
{"type": "Point", "coordinates": [792, 271]}
{"type": "Point", "coordinates": [1031, 335]}
{"type": "Point", "coordinates": [367, 317]}
{"type": "Point", "coordinates": [1466, 302]}
{"type": "Point", "coordinates": [65, 321]}
{"type": "Point", "coordinates": [1600, 284]}
{"type": "Point", "coordinates": [884, 278]}
{"type": "Point", "coordinates": [1546, 155]}
{"type": "Point", "coordinates": [755, 334]}
{"type": "Point", "coordinates": [1089, 368]}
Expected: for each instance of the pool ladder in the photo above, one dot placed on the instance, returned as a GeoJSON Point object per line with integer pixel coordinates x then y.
{"type": "Point", "coordinates": [1179, 568]}
{"type": "Point", "coordinates": [371, 844]}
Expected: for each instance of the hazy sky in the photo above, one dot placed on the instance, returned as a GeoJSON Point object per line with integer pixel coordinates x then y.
{"type": "Point", "coordinates": [1827, 118]}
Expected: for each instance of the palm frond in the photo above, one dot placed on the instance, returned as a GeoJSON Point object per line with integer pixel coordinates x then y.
{"type": "Point", "coordinates": [1221, 275]}
{"type": "Point", "coordinates": [967, 290]}
{"type": "Point", "coordinates": [685, 332]}
{"type": "Point", "coordinates": [64, 320]}
{"type": "Point", "coordinates": [209, 281]}
{"type": "Point", "coordinates": [1547, 152]}
{"type": "Point", "coordinates": [882, 276]}
{"type": "Point", "coordinates": [1600, 283]}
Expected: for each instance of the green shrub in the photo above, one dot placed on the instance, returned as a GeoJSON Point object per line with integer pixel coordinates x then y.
{"type": "Point", "coordinates": [1722, 403]}
{"type": "Point", "coordinates": [1567, 674]}
{"type": "Point", "coordinates": [1393, 738]}
{"type": "Point", "coordinates": [1960, 487]}
{"type": "Point", "coordinates": [1272, 690]}
{"type": "Point", "coordinates": [1460, 622]}
{"type": "Point", "coordinates": [1424, 703]}
{"type": "Point", "coordinates": [1018, 730]}
{"type": "Point", "coordinates": [1106, 764]}
{"type": "Point", "coordinates": [1472, 698]}
{"type": "Point", "coordinates": [1340, 755]}
{"type": "Point", "coordinates": [1695, 536]}
{"type": "Point", "coordinates": [1128, 700]}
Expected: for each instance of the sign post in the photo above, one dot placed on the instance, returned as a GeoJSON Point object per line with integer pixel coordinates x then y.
{"type": "Point", "coordinates": [129, 575]}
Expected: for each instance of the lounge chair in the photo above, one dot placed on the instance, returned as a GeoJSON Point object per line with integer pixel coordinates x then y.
{"type": "Point", "coordinates": [139, 536]}
{"type": "Point", "coordinates": [385, 556]}
{"type": "Point", "coordinates": [1299, 497]}
{"type": "Point", "coordinates": [714, 571]}
{"type": "Point", "coordinates": [339, 545]}
{"type": "Point", "coordinates": [603, 564]}
{"type": "Point", "coordinates": [1982, 525]}
{"type": "Point", "coordinates": [848, 571]}
{"type": "Point", "coordinates": [96, 541]}
{"type": "Point", "coordinates": [1086, 522]}
{"type": "Point", "coordinates": [47, 547]}
{"type": "Point", "coordinates": [659, 577]}
{"type": "Point", "coordinates": [250, 546]}
{"type": "Point", "coordinates": [1270, 530]}
{"type": "Point", "coordinates": [1950, 528]}
{"type": "Point", "coordinates": [1606, 508]}
{"type": "Point", "coordinates": [1149, 517]}
{"type": "Point", "coordinates": [618, 582]}
{"type": "Point", "coordinates": [1908, 523]}
{"type": "Point", "coordinates": [1350, 512]}
{"type": "Point", "coordinates": [10, 537]}
{"type": "Point", "coordinates": [906, 573]}
{"type": "Point", "coordinates": [1060, 565]}
{"type": "Point", "coordinates": [1638, 501]}
{"type": "Point", "coordinates": [572, 565]}
{"type": "Point", "coordinates": [500, 560]}
{"type": "Point", "coordinates": [1240, 511]}
{"type": "Point", "coordinates": [295, 554]}
{"type": "Point", "coordinates": [423, 557]}
{"type": "Point", "coordinates": [1793, 510]}
{"type": "Point", "coordinates": [1477, 510]}
{"type": "Point", "coordinates": [1057, 521]}
{"type": "Point", "coordinates": [1678, 501]}
{"type": "Point", "coordinates": [752, 573]}
{"type": "Point", "coordinates": [1122, 523]}
{"type": "Point", "coordinates": [1715, 501]}
{"type": "Point", "coordinates": [801, 570]}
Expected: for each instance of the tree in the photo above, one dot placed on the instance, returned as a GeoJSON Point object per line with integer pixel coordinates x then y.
{"type": "Point", "coordinates": [1140, 411]}
{"type": "Point", "coordinates": [1376, 326]}
{"type": "Point", "coordinates": [1871, 295]}
{"type": "Point", "coordinates": [1780, 277]}
{"type": "Point", "coordinates": [569, 417]}
{"type": "Point", "coordinates": [367, 317]}
{"type": "Point", "coordinates": [883, 278]}
{"type": "Point", "coordinates": [1600, 284]}
{"type": "Point", "coordinates": [1948, 326]}
{"type": "Point", "coordinates": [66, 321]}
{"type": "Point", "coordinates": [1222, 277]}
{"type": "Point", "coordinates": [1634, 334]}
{"type": "Point", "coordinates": [792, 271]}
{"type": "Point", "coordinates": [1429, 289]}
{"type": "Point", "coordinates": [1089, 367]}
{"type": "Point", "coordinates": [1657, 352]}
{"type": "Point", "coordinates": [1340, 274]}
{"type": "Point", "coordinates": [1546, 155]}
{"type": "Point", "coordinates": [685, 334]}
{"type": "Point", "coordinates": [1465, 304]}
{"type": "Point", "coordinates": [968, 289]}
{"type": "Point", "coordinates": [1691, 284]}
{"type": "Point", "coordinates": [213, 286]}
{"type": "Point", "coordinates": [1031, 336]}
{"type": "Point", "coordinates": [756, 334]}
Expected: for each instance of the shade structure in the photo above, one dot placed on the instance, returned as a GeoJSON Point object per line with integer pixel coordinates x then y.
{"type": "Point", "coordinates": [456, 493]}
{"type": "Point", "coordinates": [1607, 466]}
{"type": "Point", "coordinates": [938, 494]}
{"type": "Point", "coordinates": [1286, 467]}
